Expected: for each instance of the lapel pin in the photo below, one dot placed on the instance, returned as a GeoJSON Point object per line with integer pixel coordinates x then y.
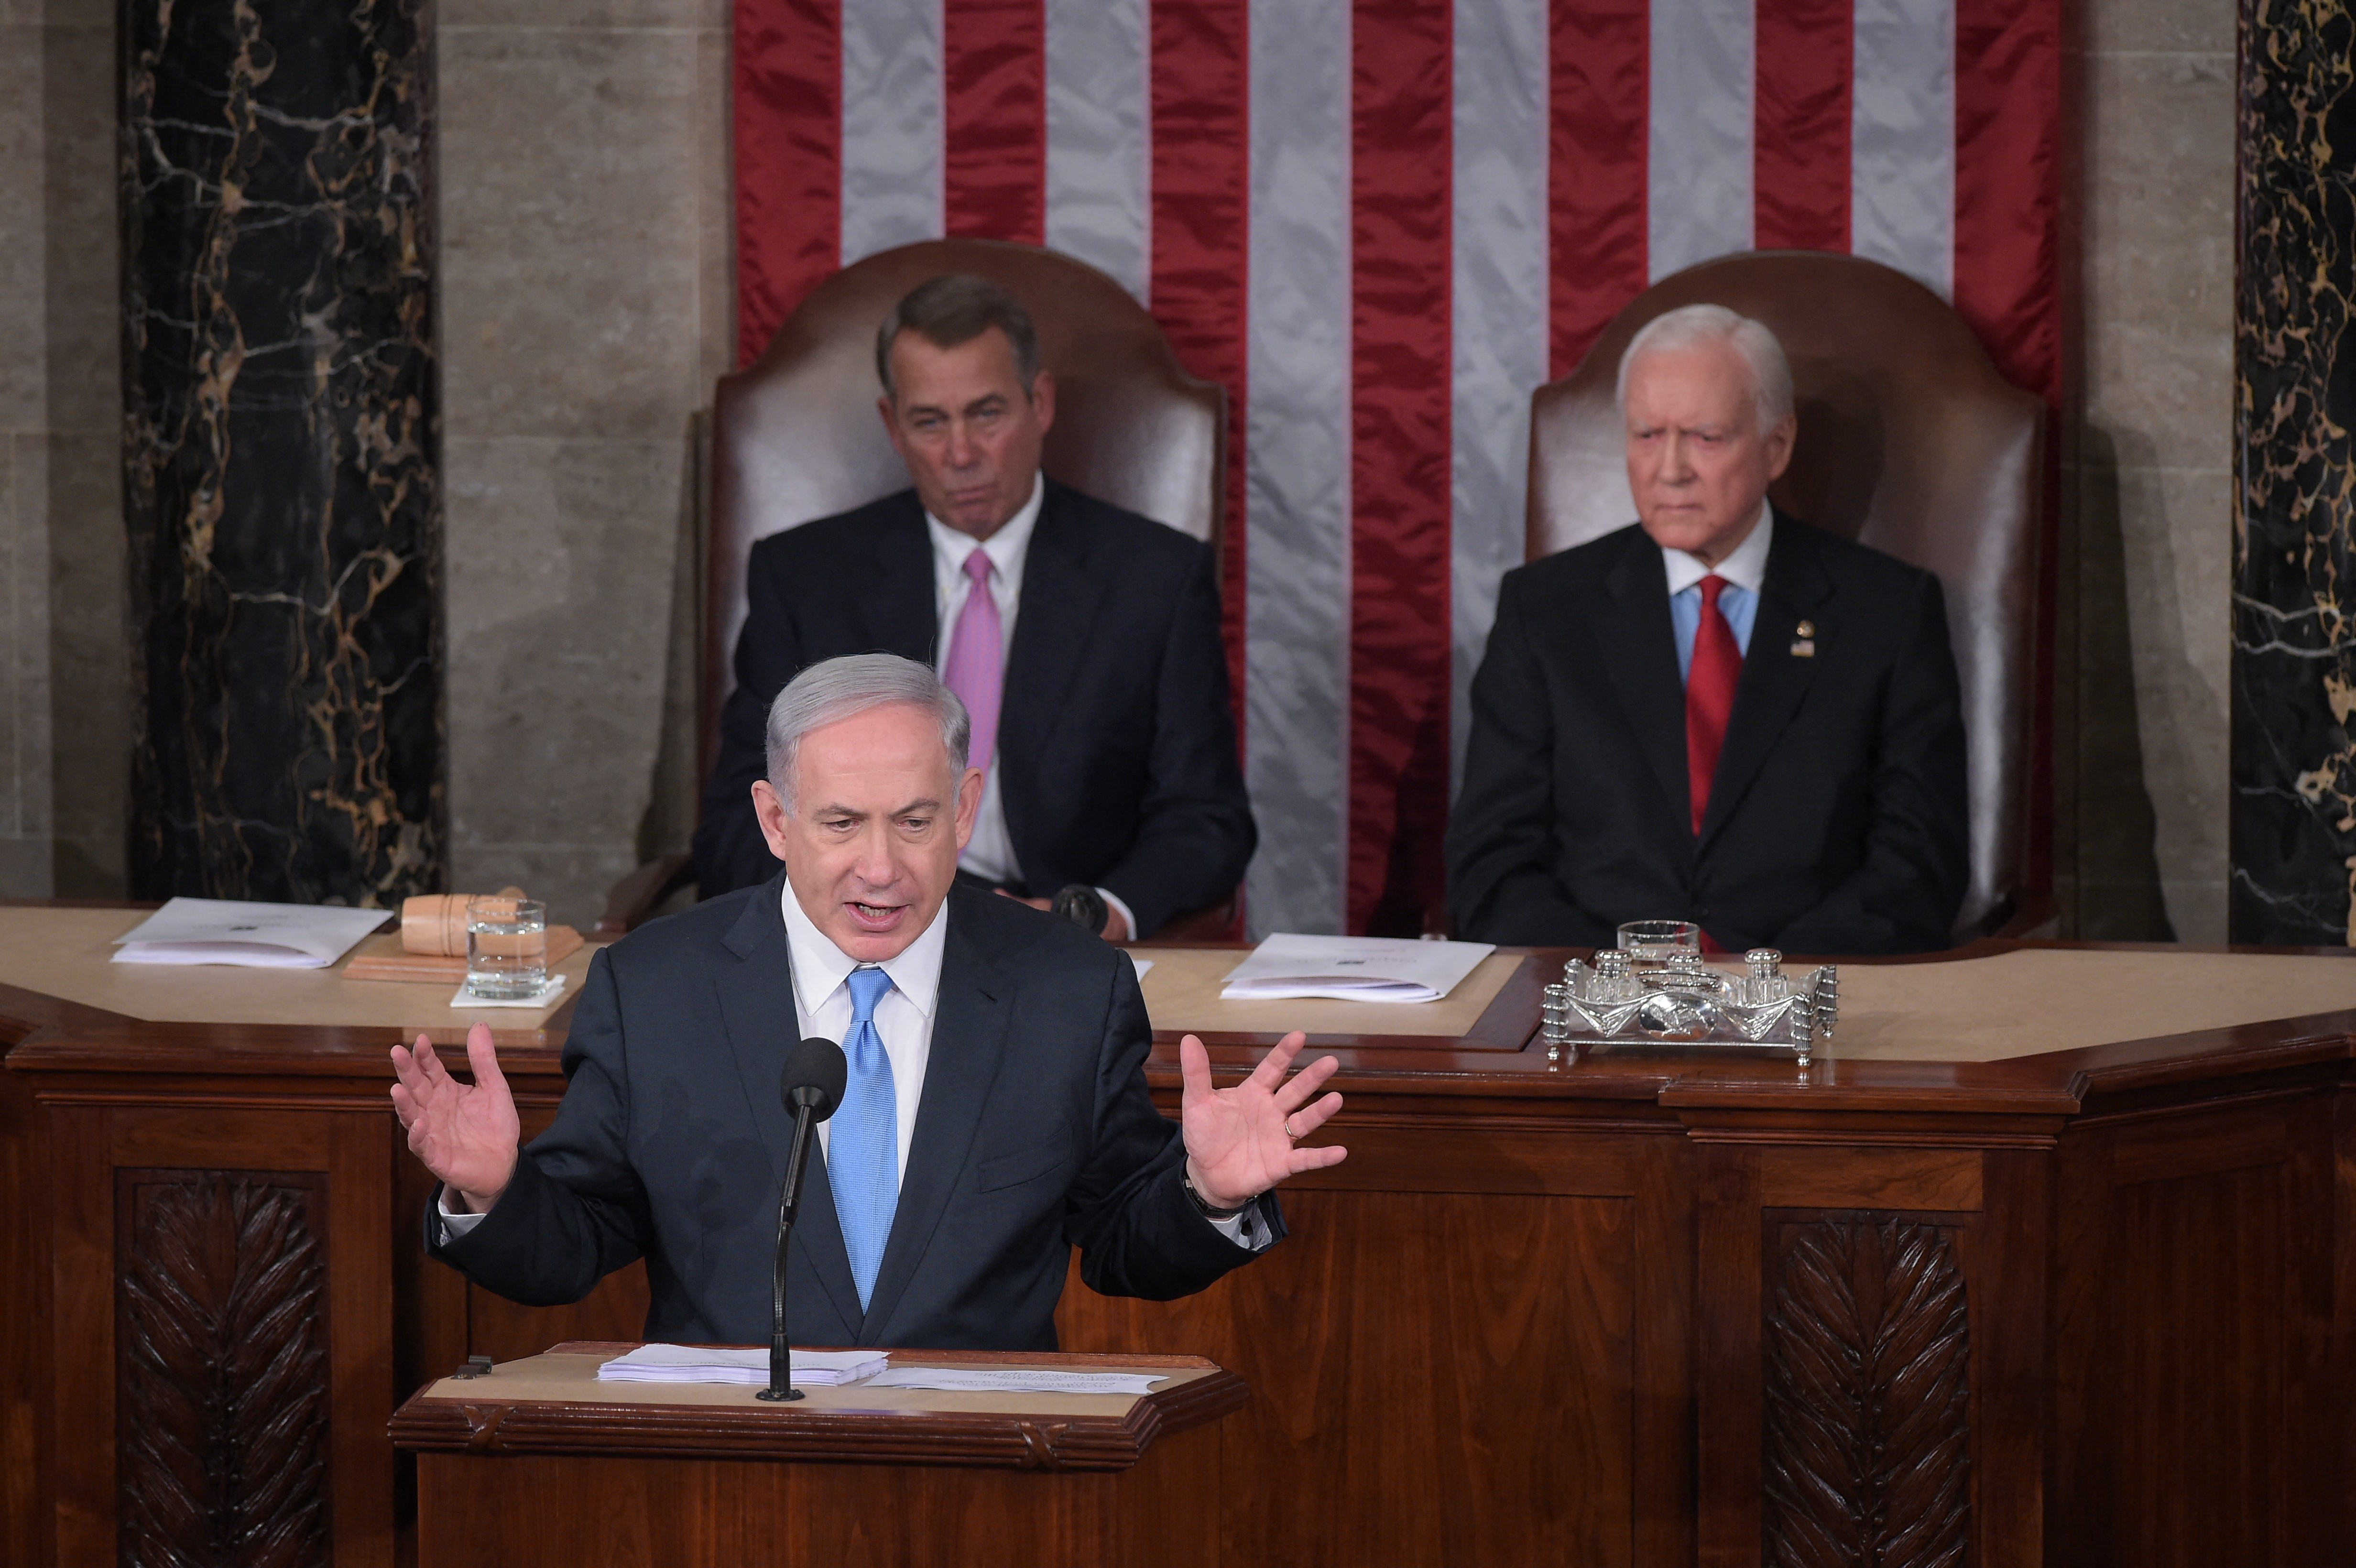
{"type": "Point", "coordinates": [1803, 645]}
{"type": "Point", "coordinates": [1804, 630]}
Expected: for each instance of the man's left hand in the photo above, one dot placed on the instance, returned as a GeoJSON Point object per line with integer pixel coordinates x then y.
{"type": "Point", "coordinates": [1115, 928]}
{"type": "Point", "coordinates": [1242, 1141]}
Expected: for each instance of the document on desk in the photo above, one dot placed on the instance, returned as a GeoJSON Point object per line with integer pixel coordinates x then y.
{"type": "Point", "coordinates": [1352, 970]}
{"type": "Point", "coordinates": [713, 1364]}
{"type": "Point", "coordinates": [252, 935]}
{"type": "Point", "coordinates": [1015, 1380]}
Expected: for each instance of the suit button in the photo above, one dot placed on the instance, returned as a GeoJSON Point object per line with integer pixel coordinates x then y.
{"type": "Point", "coordinates": [1701, 912]}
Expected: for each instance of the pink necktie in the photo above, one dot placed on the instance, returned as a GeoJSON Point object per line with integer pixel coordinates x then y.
{"type": "Point", "coordinates": [975, 651]}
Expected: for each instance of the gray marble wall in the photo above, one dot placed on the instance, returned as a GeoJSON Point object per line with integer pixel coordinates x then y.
{"type": "Point", "coordinates": [2153, 463]}
{"type": "Point", "coordinates": [64, 670]}
{"type": "Point", "coordinates": [584, 293]}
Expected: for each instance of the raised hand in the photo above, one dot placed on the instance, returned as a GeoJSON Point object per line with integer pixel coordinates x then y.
{"type": "Point", "coordinates": [466, 1133]}
{"type": "Point", "coordinates": [1241, 1141]}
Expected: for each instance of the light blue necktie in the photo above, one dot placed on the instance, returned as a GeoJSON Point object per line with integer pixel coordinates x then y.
{"type": "Point", "coordinates": [862, 1156]}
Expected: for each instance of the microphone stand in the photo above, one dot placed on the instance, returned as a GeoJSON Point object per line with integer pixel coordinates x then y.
{"type": "Point", "coordinates": [790, 1203]}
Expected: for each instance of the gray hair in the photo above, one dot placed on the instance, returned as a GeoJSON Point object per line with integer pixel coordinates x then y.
{"type": "Point", "coordinates": [1690, 327]}
{"type": "Point", "coordinates": [955, 308]}
{"type": "Point", "coordinates": [838, 688]}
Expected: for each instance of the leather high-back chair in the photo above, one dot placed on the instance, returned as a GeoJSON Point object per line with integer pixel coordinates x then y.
{"type": "Point", "coordinates": [796, 435]}
{"type": "Point", "coordinates": [1910, 441]}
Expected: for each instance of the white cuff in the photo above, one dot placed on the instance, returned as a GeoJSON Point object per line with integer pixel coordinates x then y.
{"type": "Point", "coordinates": [1112, 902]}
{"type": "Point", "coordinates": [452, 1225]}
{"type": "Point", "coordinates": [1246, 1230]}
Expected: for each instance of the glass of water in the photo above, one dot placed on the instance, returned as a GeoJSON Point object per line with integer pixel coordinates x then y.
{"type": "Point", "coordinates": [507, 948]}
{"type": "Point", "coordinates": [1651, 943]}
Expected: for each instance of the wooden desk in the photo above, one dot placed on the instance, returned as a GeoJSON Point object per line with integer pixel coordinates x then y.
{"type": "Point", "coordinates": [2062, 1235]}
{"type": "Point", "coordinates": [540, 1463]}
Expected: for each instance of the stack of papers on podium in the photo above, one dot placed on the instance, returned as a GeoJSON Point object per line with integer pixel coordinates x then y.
{"type": "Point", "coordinates": [711, 1364]}
{"type": "Point", "coordinates": [1352, 970]}
{"type": "Point", "coordinates": [253, 935]}
{"type": "Point", "coordinates": [1019, 1379]}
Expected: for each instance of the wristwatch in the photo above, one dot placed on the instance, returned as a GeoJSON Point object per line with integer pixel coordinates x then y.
{"type": "Point", "coordinates": [1204, 1204]}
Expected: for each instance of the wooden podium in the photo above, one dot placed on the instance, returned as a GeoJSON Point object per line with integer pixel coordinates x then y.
{"type": "Point", "coordinates": [538, 1462]}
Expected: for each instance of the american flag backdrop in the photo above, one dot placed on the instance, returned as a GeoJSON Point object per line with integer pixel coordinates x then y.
{"type": "Point", "coordinates": [1380, 224]}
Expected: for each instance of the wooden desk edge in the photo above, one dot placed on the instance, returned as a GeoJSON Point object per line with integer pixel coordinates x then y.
{"type": "Point", "coordinates": [442, 1423]}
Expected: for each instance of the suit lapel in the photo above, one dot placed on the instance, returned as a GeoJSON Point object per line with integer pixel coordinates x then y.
{"type": "Point", "coordinates": [1052, 632]}
{"type": "Point", "coordinates": [1639, 650]}
{"type": "Point", "coordinates": [756, 1001]}
{"type": "Point", "coordinates": [969, 1029]}
{"type": "Point", "coordinates": [897, 604]}
{"type": "Point", "coordinates": [1773, 681]}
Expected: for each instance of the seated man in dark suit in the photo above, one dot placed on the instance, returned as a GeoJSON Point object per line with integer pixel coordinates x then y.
{"type": "Point", "coordinates": [1718, 714]}
{"type": "Point", "coordinates": [1084, 639]}
{"type": "Point", "coordinates": [996, 1115]}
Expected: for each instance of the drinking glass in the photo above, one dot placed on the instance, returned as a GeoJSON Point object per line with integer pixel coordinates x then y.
{"type": "Point", "coordinates": [507, 948]}
{"type": "Point", "coordinates": [1649, 943]}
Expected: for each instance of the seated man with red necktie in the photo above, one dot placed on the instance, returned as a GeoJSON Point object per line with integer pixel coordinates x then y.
{"type": "Point", "coordinates": [1718, 714]}
{"type": "Point", "coordinates": [1083, 639]}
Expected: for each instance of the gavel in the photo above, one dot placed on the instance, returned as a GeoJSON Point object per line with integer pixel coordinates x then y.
{"type": "Point", "coordinates": [435, 924]}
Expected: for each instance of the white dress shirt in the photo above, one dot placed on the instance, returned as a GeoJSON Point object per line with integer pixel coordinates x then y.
{"type": "Point", "coordinates": [990, 853]}
{"type": "Point", "coordinates": [1744, 570]}
{"type": "Point", "coordinates": [903, 1015]}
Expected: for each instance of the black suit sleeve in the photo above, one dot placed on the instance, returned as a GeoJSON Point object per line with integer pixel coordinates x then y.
{"type": "Point", "coordinates": [574, 1210]}
{"type": "Point", "coordinates": [1902, 898]}
{"type": "Point", "coordinates": [1195, 832]}
{"type": "Point", "coordinates": [1127, 1212]}
{"type": "Point", "coordinates": [1501, 835]}
{"type": "Point", "coordinates": [730, 852]}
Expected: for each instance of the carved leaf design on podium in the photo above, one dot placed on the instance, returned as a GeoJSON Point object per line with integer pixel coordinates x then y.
{"type": "Point", "coordinates": [221, 1371]}
{"type": "Point", "coordinates": [1868, 1461]}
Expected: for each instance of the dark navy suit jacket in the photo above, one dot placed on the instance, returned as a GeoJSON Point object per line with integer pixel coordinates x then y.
{"type": "Point", "coordinates": [1837, 817]}
{"type": "Point", "coordinates": [1116, 738]}
{"type": "Point", "coordinates": [1034, 1134]}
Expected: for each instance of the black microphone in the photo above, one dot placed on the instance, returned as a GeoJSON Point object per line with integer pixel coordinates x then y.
{"type": "Point", "coordinates": [812, 1086]}
{"type": "Point", "coordinates": [1084, 907]}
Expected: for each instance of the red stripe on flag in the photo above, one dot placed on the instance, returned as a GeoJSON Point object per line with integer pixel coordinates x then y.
{"type": "Point", "coordinates": [1596, 157]}
{"type": "Point", "coordinates": [1202, 236]}
{"type": "Point", "coordinates": [1401, 110]}
{"type": "Point", "coordinates": [1801, 119]}
{"type": "Point", "coordinates": [2008, 191]}
{"type": "Point", "coordinates": [994, 120]}
{"type": "Point", "coordinates": [788, 133]}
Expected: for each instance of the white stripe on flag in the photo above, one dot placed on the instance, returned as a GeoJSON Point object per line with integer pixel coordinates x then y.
{"type": "Point", "coordinates": [1902, 139]}
{"type": "Point", "coordinates": [1499, 245]}
{"type": "Point", "coordinates": [891, 124]}
{"type": "Point", "coordinates": [1698, 170]}
{"type": "Point", "coordinates": [1099, 152]}
{"type": "Point", "coordinates": [1296, 442]}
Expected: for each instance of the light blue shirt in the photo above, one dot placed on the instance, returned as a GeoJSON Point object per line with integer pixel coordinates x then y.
{"type": "Point", "coordinates": [1744, 570]}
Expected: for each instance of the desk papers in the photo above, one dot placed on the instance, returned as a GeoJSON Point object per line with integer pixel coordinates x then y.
{"type": "Point", "coordinates": [710, 1364]}
{"type": "Point", "coordinates": [252, 935]}
{"type": "Point", "coordinates": [1015, 1380]}
{"type": "Point", "coordinates": [1352, 970]}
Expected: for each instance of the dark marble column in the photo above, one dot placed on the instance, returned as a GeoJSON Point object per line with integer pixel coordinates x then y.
{"type": "Point", "coordinates": [2294, 748]}
{"type": "Point", "coordinates": [283, 448]}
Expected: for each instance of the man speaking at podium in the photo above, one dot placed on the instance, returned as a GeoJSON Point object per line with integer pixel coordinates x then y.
{"type": "Point", "coordinates": [995, 1118]}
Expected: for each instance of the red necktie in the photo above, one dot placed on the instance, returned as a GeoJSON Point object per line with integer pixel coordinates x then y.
{"type": "Point", "coordinates": [1709, 695]}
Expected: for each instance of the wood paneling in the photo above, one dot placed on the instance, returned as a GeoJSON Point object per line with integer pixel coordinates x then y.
{"type": "Point", "coordinates": [520, 1512]}
{"type": "Point", "coordinates": [1484, 1377]}
{"type": "Point", "coordinates": [1941, 1178]}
